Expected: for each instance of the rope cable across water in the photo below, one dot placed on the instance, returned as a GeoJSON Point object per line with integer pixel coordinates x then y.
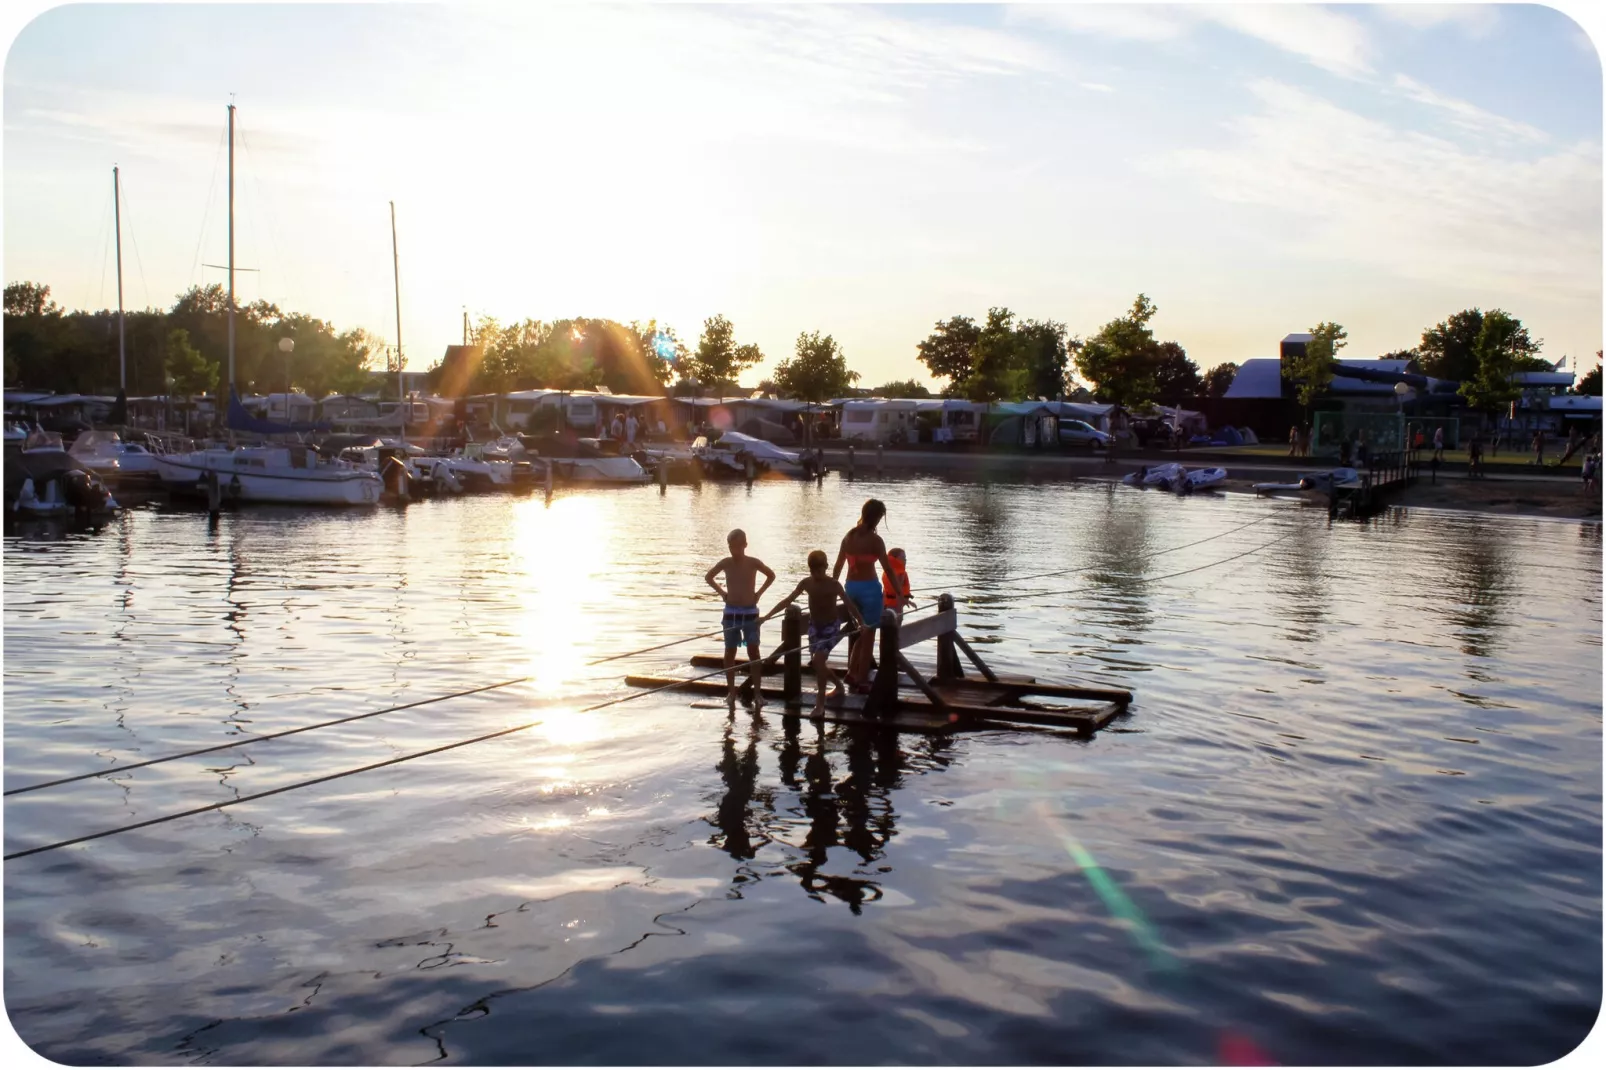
{"type": "Point", "coordinates": [490, 735]}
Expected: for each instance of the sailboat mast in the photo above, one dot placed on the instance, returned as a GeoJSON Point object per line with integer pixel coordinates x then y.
{"type": "Point", "coordinates": [117, 210]}
{"type": "Point", "coordinates": [395, 267]}
{"type": "Point", "coordinates": [231, 250]}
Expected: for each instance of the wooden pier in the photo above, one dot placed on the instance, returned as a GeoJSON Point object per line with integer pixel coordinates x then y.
{"type": "Point", "coordinates": [939, 700]}
{"type": "Point", "coordinates": [1383, 476]}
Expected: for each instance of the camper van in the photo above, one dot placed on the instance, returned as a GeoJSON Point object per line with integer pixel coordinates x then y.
{"type": "Point", "coordinates": [879, 421]}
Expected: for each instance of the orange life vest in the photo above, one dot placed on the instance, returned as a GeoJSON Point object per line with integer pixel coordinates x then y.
{"type": "Point", "coordinates": [890, 595]}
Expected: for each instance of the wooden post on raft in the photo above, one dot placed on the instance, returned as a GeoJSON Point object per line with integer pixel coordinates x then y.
{"type": "Point", "coordinates": [792, 640]}
{"type": "Point", "coordinates": [883, 697]}
{"type": "Point", "coordinates": [214, 492]}
{"type": "Point", "coordinates": [850, 460]}
{"type": "Point", "coordinates": [948, 665]}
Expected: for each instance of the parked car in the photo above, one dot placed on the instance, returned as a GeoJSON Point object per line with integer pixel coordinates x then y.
{"type": "Point", "coordinates": [1078, 433]}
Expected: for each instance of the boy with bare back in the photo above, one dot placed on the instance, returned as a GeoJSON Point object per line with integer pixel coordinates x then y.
{"type": "Point", "coordinates": [740, 621]}
{"type": "Point", "coordinates": [825, 594]}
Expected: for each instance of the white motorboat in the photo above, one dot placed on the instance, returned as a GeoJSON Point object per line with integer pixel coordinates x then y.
{"type": "Point", "coordinates": [476, 472]}
{"type": "Point", "coordinates": [623, 470]}
{"type": "Point", "coordinates": [426, 475]}
{"type": "Point", "coordinates": [735, 455]}
{"type": "Point", "coordinates": [108, 456]}
{"type": "Point", "coordinates": [44, 480]}
{"type": "Point", "coordinates": [276, 474]}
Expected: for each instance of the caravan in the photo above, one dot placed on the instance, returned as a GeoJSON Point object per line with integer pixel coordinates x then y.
{"type": "Point", "coordinates": [879, 421]}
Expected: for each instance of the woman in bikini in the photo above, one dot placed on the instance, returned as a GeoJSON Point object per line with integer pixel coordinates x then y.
{"type": "Point", "coordinates": [861, 550]}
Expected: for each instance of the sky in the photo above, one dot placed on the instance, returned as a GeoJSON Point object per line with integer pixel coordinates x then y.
{"type": "Point", "coordinates": [862, 171]}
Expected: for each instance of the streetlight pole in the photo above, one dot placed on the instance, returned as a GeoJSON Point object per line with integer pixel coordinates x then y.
{"type": "Point", "coordinates": [287, 346]}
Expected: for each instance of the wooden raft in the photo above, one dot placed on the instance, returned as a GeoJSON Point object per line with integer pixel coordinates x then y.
{"type": "Point", "coordinates": [905, 698]}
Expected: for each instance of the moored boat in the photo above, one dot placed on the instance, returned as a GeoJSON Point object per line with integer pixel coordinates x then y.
{"type": "Point", "coordinates": [270, 474]}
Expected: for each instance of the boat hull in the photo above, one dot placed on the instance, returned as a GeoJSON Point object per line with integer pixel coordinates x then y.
{"type": "Point", "coordinates": [186, 475]}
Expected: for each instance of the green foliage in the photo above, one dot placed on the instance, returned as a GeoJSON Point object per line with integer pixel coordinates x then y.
{"type": "Point", "coordinates": [1502, 348]}
{"type": "Point", "coordinates": [718, 360]}
{"type": "Point", "coordinates": [191, 372]}
{"type": "Point", "coordinates": [1002, 358]}
{"type": "Point", "coordinates": [30, 299]}
{"type": "Point", "coordinates": [1313, 371]}
{"type": "Point", "coordinates": [947, 352]}
{"type": "Point", "coordinates": [819, 372]}
{"type": "Point", "coordinates": [1122, 360]}
{"type": "Point", "coordinates": [1218, 379]}
{"type": "Point", "coordinates": [901, 388]}
{"type": "Point", "coordinates": [1590, 384]}
{"type": "Point", "coordinates": [1176, 378]}
{"type": "Point", "coordinates": [1447, 348]}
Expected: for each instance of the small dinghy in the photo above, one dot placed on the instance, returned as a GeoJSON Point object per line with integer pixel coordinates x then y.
{"type": "Point", "coordinates": [1313, 481]}
{"type": "Point", "coordinates": [1198, 479]}
{"type": "Point", "coordinates": [1160, 475]}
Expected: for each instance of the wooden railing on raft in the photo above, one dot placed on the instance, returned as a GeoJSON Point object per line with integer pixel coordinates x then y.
{"type": "Point", "coordinates": [902, 697]}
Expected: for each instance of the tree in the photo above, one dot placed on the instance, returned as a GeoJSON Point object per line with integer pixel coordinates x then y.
{"type": "Point", "coordinates": [819, 372]}
{"type": "Point", "coordinates": [1176, 378]}
{"type": "Point", "coordinates": [1219, 378]}
{"type": "Point", "coordinates": [191, 372]}
{"type": "Point", "coordinates": [1122, 359]}
{"type": "Point", "coordinates": [1447, 349]}
{"type": "Point", "coordinates": [1503, 348]}
{"type": "Point", "coordinates": [1043, 354]}
{"type": "Point", "coordinates": [30, 299]}
{"type": "Point", "coordinates": [1313, 370]}
{"type": "Point", "coordinates": [946, 353]}
{"type": "Point", "coordinates": [719, 360]}
{"type": "Point", "coordinates": [1590, 384]}
{"type": "Point", "coordinates": [901, 388]}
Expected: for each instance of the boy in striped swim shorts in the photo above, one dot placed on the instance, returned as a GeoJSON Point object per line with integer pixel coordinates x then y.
{"type": "Point", "coordinates": [825, 594]}
{"type": "Point", "coordinates": [740, 621]}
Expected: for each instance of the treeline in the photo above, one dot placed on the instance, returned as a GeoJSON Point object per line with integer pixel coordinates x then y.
{"type": "Point", "coordinates": [49, 348]}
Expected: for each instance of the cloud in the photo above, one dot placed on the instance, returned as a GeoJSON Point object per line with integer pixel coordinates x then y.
{"type": "Point", "coordinates": [1468, 116]}
{"type": "Point", "coordinates": [1129, 22]}
{"type": "Point", "coordinates": [1327, 39]}
{"type": "Point", "coordinates": [1355, 189]}
{"type": "Point", "coordinates": [1097, 87]}
{"type": "Point", "coordinates": [1330, 40]}
{"type": "Point", "coordinates": [1477, 20]}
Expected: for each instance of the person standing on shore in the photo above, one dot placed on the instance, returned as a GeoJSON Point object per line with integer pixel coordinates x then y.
{"type": "Point", "coordinates": [1591, 468]}
{"type": "Point", "coordinates": [861, 550]}
{"type": "Point", "coordinates": [1293, 441]}
{"type": "Point", "coordinates": [1438, 443]}
{"type": "Point", "coordinates": [630, 429]}
{"type": "Point", "coordinates": [1475, 457]}
{"type": "Point", "coordinates": [1539, 446]}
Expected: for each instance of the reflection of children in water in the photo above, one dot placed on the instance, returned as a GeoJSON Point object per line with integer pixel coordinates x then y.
{"type": "Point", "coordinates": [845, 803]}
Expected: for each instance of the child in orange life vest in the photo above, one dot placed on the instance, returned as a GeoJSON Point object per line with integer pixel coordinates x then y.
{"type": "Point", "coordinates": [895, 585]}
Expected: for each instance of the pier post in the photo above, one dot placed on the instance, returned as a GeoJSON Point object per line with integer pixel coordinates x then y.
{"type": "Point", "coordinates": [549, 479]}
{"type": "Point", "coordinates": [878, 454]}
{"type": "Point", "coordinates": [663, 476]}
{"type": "Point", "coordinates": [749, 468]}
{"type": "Point", "coordinates": [819, 464]}
{"type": "Point", "coordinates": [214, 493]}
{"type": "Point", "coordinates": [850, 460]}
{"type": "Point", "coordinates": [883, 696]}
{"type": "Point", "coordinates": [792, 642]}
{"type": "Point", "coordinates": [948, 665]}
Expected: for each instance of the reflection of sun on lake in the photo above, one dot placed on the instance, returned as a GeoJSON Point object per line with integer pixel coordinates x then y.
{"type": "Point", "coordinates": [561, 552]}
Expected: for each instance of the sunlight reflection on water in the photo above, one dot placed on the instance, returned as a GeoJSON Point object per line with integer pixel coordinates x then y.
{"type": "Point", "coordinates": [1344, 747]}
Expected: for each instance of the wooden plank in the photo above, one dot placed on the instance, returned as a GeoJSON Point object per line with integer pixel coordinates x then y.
{"type": "Point", "coordinates": [920, 682]}
{"type": "Point", "coordinates": [851, 711]}
{"type": "Point", "coordinates": [928, 628]}
{"type": "Point", "coordinates": [975, 659]}
{"type": "Point", "coordinates": [715, 661]}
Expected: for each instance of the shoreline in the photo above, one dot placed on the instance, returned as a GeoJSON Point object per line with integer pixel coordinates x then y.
{"type": "Point", "coordinates": [1502, 493]}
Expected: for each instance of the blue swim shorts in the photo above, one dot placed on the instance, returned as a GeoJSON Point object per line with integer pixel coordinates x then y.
{"type": "Point", "coordinates": [866, 594]}
{"type": "Point", "coordinates": [741, 626]}
{"type": "Point", "coordinates": [822, 637]}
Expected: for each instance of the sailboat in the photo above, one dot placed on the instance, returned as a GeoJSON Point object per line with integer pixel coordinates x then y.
{"type": "Point", "coordinates": [287, 474]}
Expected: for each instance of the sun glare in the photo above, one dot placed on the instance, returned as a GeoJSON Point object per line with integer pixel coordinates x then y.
{"type": "Point", "coordinates": [561, 551]}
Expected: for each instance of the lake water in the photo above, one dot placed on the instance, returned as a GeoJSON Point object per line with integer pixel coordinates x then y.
{"type": "Point", "coordinates": [1354, 815]}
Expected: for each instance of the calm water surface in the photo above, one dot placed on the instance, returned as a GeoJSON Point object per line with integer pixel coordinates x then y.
{"type": "Point", "coordinates": [1354, 815]}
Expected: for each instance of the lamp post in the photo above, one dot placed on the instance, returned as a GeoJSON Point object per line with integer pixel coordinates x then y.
{"type": "Point", "coordinates": [287, 346]}
{"type": "Point", "coordinates": [1400, 390]}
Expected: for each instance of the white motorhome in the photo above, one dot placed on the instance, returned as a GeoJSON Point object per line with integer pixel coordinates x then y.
{"type": "Point", "coordinates": [879, 420]}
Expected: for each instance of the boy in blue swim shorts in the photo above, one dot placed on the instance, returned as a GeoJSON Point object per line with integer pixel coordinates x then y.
{"type": "Point", "coordinates": [825, 594]}
{"type": "Point", "coordinates": [740, 621]}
